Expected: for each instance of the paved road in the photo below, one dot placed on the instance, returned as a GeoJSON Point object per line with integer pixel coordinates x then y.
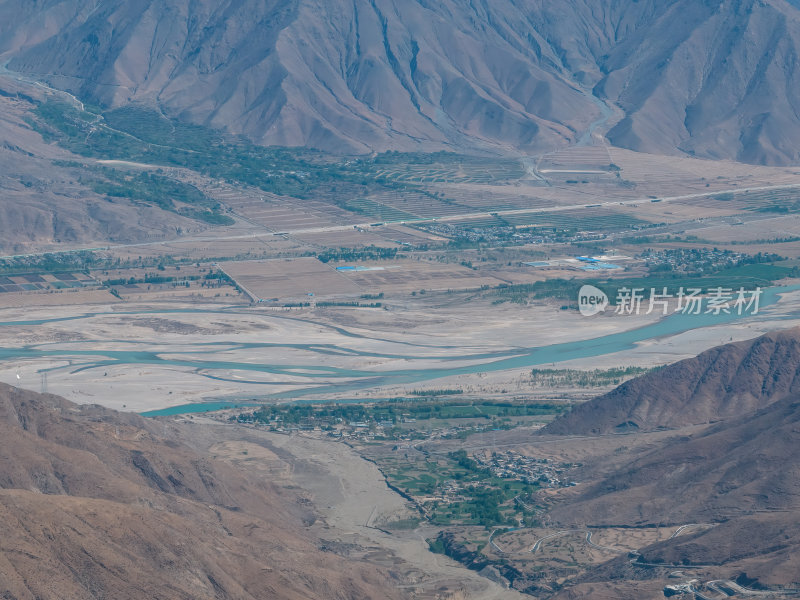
{"type": "Point", "coordinates": [539, 542]}
{"type": "Point", "coordinates": [444, 219]}
{"type": "Point", "coordinates": [680, 530]}
{"type": "Point", "coordinates": [732, 585]}
{"type": "Point", "coordinates": [492, 544]}
{"type": "Point", "coordinates": [599, 547]}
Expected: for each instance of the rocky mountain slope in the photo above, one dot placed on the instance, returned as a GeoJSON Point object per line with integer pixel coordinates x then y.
{"type": "Point", "coordinates": [98, 504]}
{"type": "Point", "coordinates": [761, 552]}
{"type": "Point", "coordinates": [739, 477]}
{"type": "Point", "coordinates": [707, 78]}
{"type": "Point", "coordinates": [723, 382]}
{"type": "Point", "coordinates": [44, 203]}
{"type": "Point", "coordinates": [740, 466]}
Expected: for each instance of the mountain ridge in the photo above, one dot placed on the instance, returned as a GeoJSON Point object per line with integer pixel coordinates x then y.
{"type": "Point", "coordinates": [700, 78]}
{"type": "Point", "coordinates": [723, 382]}
{"type": "Point", "coordinates": [738, 467]}
{"type": "Point", "coordinates": [96, 503]}
{"type": "Point", "coordinates": [737, 477]}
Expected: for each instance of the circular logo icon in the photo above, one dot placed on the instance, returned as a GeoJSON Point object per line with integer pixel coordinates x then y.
{"type": "Point", "coordinates": [591, 300]}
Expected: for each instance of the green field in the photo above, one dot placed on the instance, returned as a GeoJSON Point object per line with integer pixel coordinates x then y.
{"type": "Point", "coordinates": [747, 276]}
{"type": "Point", "coordinates": [479, 497]}
{"type": "Point", "coordinates": [140, 135]}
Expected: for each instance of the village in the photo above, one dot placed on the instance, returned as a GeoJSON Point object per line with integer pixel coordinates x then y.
{"type": "Point", "coordinates": [513, 465]}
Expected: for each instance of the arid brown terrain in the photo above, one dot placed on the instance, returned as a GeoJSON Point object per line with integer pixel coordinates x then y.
{"type": "Point", "coordinates": [727, 381]}
{"type": "Point", "coordinates": [704, 78]}
{"type": "Point", "coordinates": [328, 255]}
{"type": "Point", "coordinates": [45, 204]}
{"type": "Point", "coordinates": [99, 504]}
{"type": "Point", "coordinates": [740, 474]}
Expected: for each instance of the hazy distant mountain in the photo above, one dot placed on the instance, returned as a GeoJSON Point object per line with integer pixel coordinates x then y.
{"type": "Point", "coordinates": [336, 75]}
{"type": "Point", "coordinates": [717, 79]}
{"type": "Point", "coordinates": [724, 382]}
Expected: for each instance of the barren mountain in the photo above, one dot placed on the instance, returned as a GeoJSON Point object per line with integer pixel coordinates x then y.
{"type": "Point", "coordinates": [723, 382]}
{"type": "Point", "coordinates": [355, 75]}
{"type": "Point", "coordinates": [737, 467]}
{"type": "Point", "coordinates": [740, 476]}
{"type": "Point", "coordinates": [44, 202]}
{"type": "Point", "coordinates": [708, 78]}
{"type": "Point", "coordinates": [758, 551]}
{"type": "Point", "coordinates": [98, 504]}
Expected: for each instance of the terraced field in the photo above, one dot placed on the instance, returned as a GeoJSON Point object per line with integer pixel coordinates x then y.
{"type": "Point", "coordinates": [455, 169]}
{"type": "Point", "coordinates": [579, 159]}
{"type": "Point", "coordinates": [378, 211]}
{"type": "Point", "coordinates": [582, 219]}
{"type": "Point", "coordinates": [421, 205]}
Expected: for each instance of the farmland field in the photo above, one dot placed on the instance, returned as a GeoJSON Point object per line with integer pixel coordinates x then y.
{"type": "Point", "coordinates": [290, 278]}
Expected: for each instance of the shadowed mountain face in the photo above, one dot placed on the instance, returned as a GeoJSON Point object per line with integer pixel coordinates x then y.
{"type": "Point", "coordinates": [741, 475]}
{"type": "Point", "coordinates": [740, 466]}
{"type": "Point", "coordinates": [98, 504]}
{"type": "Point", "coordinates": [723, 382]}
{"type": "Point", "coordinates": [714, 79]}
